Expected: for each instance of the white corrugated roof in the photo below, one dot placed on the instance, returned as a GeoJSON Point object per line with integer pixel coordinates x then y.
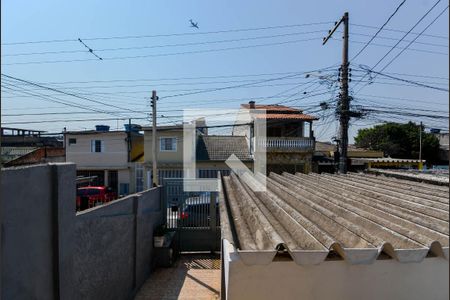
{"type": "Point", "coordinates": [10, 153]}
{"type": "Point", "coordinates": [358, 217]}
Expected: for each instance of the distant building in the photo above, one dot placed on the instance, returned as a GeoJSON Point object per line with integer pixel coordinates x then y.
{"type": "Point", "coordinates": [27, 146]}
{"type": "Point", "coordinates": [31, 156]}
{"type": "Point", "coordinates": [443, 147]}
{"type": "Point", "coordinates": [17, 137]}
{"type": "Point", "coordinates": [325, 158]}
{"type": "Point", "coordinates": [112, 157]}
{"type": "Point", "coordinates": [211, 152]}
{"type": "Point", "coordinates": [289, 141]}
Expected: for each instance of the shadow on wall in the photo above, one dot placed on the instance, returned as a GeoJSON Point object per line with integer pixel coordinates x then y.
{"type": "Point", "coordinates": [48, 252]}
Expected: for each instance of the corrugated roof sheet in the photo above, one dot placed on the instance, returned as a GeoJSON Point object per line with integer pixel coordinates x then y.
{"type": "Point", "coordinates": [357, 216]}
{"type": "Point", "coordinates": [285, 117]}
{"type": "Point", "coordinates": [11, 153]}
{"type": "Point", "coordinates": [220, 147]}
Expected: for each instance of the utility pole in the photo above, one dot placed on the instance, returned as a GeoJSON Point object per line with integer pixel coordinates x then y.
{"type": "Point", "coordinates": [344, 115]}
{"type": "Point", "coordinates": [420, 145]}
{"type": "Point", "coordinates": [129, 140]}
{"type": "Point", "coordinates": [154, 153]}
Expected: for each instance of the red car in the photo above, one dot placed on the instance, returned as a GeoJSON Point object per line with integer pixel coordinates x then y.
{"type": "Point", "coordinates": [89, 196]}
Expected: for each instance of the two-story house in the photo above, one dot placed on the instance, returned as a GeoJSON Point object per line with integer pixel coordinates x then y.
{"type": "Point", "coordinates": [288, 140]}
{"type": "Point", "coordinates": [112, 157]}
{"type": "Point", "coordinates": [211, 152]}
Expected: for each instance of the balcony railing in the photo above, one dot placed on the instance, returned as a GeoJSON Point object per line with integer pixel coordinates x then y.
{"type": "Point", "coordinates": [285, 144]}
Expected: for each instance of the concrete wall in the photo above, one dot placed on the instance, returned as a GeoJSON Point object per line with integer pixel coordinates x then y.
{"type": "Point", "coordinates": [384, 279]}
{"type": "Point", "coordinates": [114, 157]}
{"type": "Point", "coordinates": [37, 221]}
{"type": "Point", "coordinates": [114, 246]}
{"type": "Point", "coordinates": [49, 252]}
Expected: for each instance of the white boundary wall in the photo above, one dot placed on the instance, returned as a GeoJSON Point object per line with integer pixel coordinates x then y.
{"type": "Point", "coordinates": [384, 279]}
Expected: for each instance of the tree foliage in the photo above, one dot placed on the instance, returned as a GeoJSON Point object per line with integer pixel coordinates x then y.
{"type": "Point", "coordinates": [399, 141]}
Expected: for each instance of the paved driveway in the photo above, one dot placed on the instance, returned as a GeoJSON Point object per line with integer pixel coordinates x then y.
{"type": "Point", "coordinates": [194, 277]}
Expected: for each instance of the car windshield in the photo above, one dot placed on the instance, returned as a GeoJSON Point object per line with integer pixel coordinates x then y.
{"type": "Point", "coordinates": [88, 192]}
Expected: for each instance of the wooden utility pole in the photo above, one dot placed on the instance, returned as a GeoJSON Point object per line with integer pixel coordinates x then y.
{"type": "Point", "coordinates": [129, 141]}
{"type": "Point", "coordinates": [344, 98]}
{"type": "Point", "coordinates": [154, 153]}
{"type": "Point", "coordinates": [420, 143]}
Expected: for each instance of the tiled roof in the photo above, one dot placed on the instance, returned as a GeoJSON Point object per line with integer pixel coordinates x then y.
{"type": "Point", "coordinates": [355, 217]}
{"type": "Point", "coordinates": [219, 148]}
{"type": "Point", "coordinates": [272, 107]}
{"type": "Point", "coordinates": [285, 117]}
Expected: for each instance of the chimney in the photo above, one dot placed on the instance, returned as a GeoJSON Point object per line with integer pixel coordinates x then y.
{"type": "Point", "coordinates": [251, 104]}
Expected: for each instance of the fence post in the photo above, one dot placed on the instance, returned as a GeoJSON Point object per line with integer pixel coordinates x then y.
{"type": "Point", "coordinates": [213, 219]}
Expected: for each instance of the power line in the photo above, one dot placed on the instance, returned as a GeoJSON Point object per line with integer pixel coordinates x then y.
{"type": "Point", "coordinates": [406, 41]}
{"type": "Point", "coordinates": [194, 91]}
{"type": "Point", "coordinates": [370, 82]}
{"type": "Point", "coordinates": [66, 93]}
{"type": "Point", "coordinates": [403, 37]}
{"type": "Point", "coordinates": [53, 99]}
{"type": "Point", "coordinates": [160, 84]}
{"type": "Point", "coordinates": [408, 74]}
{"type": "Point", "coordinates": [181, 78]}
{"type": "Point", "coordinates": [224, 76]}
{"type": "Point", "coordinates": [406, 80]}
{"type": "Point", "coordinates": [58, 113]}
{"type": "Point", "coordinates": [403, 113]}
{"type": "Point", "coordinates": [389, 106]}
{"type": "Point", "coordinates": [419, 81]}
{"type": "Point", "coordinates": [409, 49]}
{"type": "Point", "coordinates": [230, 87]}
{"type": "Point", "coordinates": [71, 120]}
{"type": "Point", "coordinates": [417, 36]}
{"type": "Point", "coordinates": [402, 31]}
{"type": "Point", "coordinates": [403, 99]}
{"type": "Point", "coordinates": [163, 54]}
{"type": "Point", "coordinates": [379, 30]}
{"type": "Point", "coordinates": [166, 35]}
{"type": "Point", "coordinates": [162, 46]}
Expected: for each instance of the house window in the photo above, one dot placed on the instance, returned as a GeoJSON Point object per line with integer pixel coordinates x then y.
{"type": "Point", "coordinates": [72, 141]}
{"type": "Point", "coordinates": [97, 146]}
{"type": "Point", "coordinates": [168, 144]}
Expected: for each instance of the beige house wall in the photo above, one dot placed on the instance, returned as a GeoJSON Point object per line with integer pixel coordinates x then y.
{"type": "Point", "coordinates": [114, 156]}
{"type": "Point", "coordinates": [163, 156]}
{"type": "Point", "coordinates": [384, 279]}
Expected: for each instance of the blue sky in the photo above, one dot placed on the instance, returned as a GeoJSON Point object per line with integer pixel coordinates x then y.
{"type": "Point", "coordinates": [127, 82]}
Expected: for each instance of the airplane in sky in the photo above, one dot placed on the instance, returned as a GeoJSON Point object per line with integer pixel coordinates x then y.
{"type": "Point", "coordinates": [193, 24]}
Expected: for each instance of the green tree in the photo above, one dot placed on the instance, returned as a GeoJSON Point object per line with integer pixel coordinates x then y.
{"type": "Point", "coordinates": [399, 141]}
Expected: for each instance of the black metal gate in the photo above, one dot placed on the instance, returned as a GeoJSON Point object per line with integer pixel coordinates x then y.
{"type": "Point", "coordinates": [194, 215]}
